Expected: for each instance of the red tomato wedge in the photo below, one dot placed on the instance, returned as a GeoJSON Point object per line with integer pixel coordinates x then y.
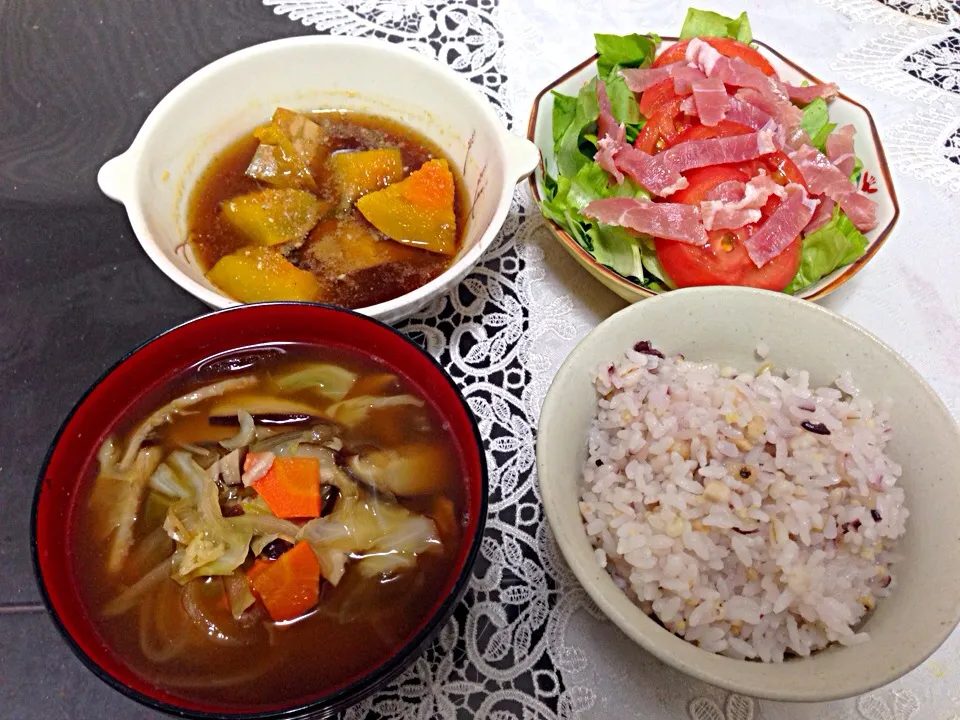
{"type": "Point", "coordinates": [724, 128]}
{"type": "Point", "coordinates": [703, 180]}
{"type": "Point", "coordinates": [725, 260]}
{"type": "Point", "coordinates": [725, 46]}
{"type": "Point", "coordinates": [656, 96]}
{"type": "Point", "coordinates": [666, 124]}
{"type": "Point", "coordinates": [777, 165]}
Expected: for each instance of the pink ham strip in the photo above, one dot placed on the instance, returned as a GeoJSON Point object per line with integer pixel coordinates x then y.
{"type": "Point", "coordinates": [733, 71]}
{"type": "Point", "coordinates": [821, 217]}
{"type": "Point", "coordinates": [805, 94]}
{"type": "Point", "coordinates": [762, 91]}
{"type": "Point", "coordinates": [611, 134]}
{"type": "Point", "coordinates": [720, 213]}
{"type": "Point", "coordinates": [711, 99]}
{"type": "Point", "coordinates": [606, 124]}
{"type": "Point", "coordinates": [729, 191]}
{"type": "Point", "coordinates": [650, 172]}
{"type": "Point", "coordinates": [640, 79]}
{"type": "Point", "coordinates": [825, 178]}
{"type": "Point", "coordinates": [744, 113]}
{"type": "Point", "coordinates": [684, 78]}
{"type": "Point", "coordinates": [703, 55]}
{"type": "Point", "coordinates": [782, 227]}
{"type": "Point", "coordinates": [607, 149]}
{"type": "Point", "coordinates": [674, 221]}
{"type": "Point", "coordinates": [840, 148]}
{"type": "Point", "coordinates": [785, 114]}
{"type": "Point", "coordinates": [660, 174]}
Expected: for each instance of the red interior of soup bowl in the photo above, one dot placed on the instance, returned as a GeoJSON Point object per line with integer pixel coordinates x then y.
{"type": "Point", "coordinates": [171, 354]}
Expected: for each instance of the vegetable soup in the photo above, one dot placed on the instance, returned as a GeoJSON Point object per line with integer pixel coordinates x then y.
{"type": "Point", "coordinates": [337, 207]}
{"type": "Point", "coordinates": [273, 525]}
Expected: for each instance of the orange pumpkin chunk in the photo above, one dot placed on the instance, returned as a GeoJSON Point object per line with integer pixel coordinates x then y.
{"type": "Point", "coordinates": [359, 172]}
{"type": "Point", "coordinates": [290, 586]}
{"type": "Point", "coordinates": [257, 274]}
{"type": "Point", "coordinates": [417, 211]}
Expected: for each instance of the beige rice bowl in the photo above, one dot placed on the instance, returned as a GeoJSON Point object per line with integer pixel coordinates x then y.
{"type": "Point", "coordinates": [748, 513]}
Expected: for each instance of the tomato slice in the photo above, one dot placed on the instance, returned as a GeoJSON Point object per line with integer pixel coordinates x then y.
{"type": "Point", "coordinates": [725, 46]}
{"type": "Point", "coordinates": [777, 165]}
{"type": "Point", "coordinates": [666, 124]}
{"type": "Point", "coordinates": [725, 260]}
{"type": "Point", "coordinates": [702, 180]}
{"type": "Point", "coordinates": [656, 96]}
{"type": "Point", "coordinates": [782, 166]}
{"type": "Point", "coordinates": [673, 54]}
{"type": "Point", "coordinates": [724, 128]}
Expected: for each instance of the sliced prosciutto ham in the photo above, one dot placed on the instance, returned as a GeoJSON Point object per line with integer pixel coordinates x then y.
{"type": "Point", "coordinates": [683, 75]}
{"type": "Point", "coordinates": [733, 71]}
{"type": "Point", "coordinates": [840, 148]}
{"type": "Point", "coordinates": [806, 94]}
{"type": "Point", "coordinates": [674, 221]}
{"type": "Point", "coordinates": [660, 174]}
{"type": "Point", "coordinates": [763, 92]}
{"type": "Point", "coordinates": [711, 100]}
{"type": "Point", "coordinates": [729, 191]}
{"type": "Point", "coordinates": [684, 78]}
{"type": "Point", "coordinates": [612, 136]}
{"type": "Point", "coordinates": [653, 174]}
{"type": "Point", "coordinates": [606, 124]}
{"type": "Point", "coordinates": [782, 227]}
{"type": "Point", "coordinates": [744, 113]}
{"type": "Point", "coordinates": [825, 178]}
{"type": "Point", "coordinates": [729, 208]}
{"type": "Point", "coordinates": [640, 79]}
{"type": "Point", "coordinates": [784, 113]}
{"type": "Point", "coordinates": [607, 149]}
{"type": "Point", "coordinates": [822, 216]}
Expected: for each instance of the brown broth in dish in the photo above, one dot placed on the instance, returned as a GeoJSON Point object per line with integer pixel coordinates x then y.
{"type": "Point", "coordinates": [207, 655]}
{"type": "Point", "coordinates": [344, 280]}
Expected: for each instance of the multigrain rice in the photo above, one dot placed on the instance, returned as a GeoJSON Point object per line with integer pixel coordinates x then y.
{"type": "Point", "coordinates": [750, 514]}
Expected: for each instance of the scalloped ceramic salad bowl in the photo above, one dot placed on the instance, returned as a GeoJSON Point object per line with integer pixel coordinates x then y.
{"type": "Point", "coordinates": [843, 111]}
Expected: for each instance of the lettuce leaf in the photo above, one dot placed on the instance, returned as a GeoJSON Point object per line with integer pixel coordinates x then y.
{"type": "Point", "coordinates": [624, 51]}
{"type": "Point", "coordinates": [611, 246]}
{"type": "Point", "coordinates": [836, 244]}
{"type": "Point", "coordinates": [569, 157]}
{"type": "Point", "coordinates": [857, 169]}
{"type": "Point", "coordinates": [564, 111]}
{"type": "Point", "coordinates": [700, 23]}
{"type": "Point", "coordinates": [816, 123]}
{"type": "Point", "coordinates": [623, 103]}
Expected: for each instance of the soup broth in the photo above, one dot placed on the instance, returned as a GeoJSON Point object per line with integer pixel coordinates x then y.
{"type": "Point", "coordinates": [389, 502]}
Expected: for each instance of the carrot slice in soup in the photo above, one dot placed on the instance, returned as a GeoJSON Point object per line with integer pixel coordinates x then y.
{"type": "Point", "coordinates": [289, 586]}
{"type": "Point", "coordinates": [291, 487]}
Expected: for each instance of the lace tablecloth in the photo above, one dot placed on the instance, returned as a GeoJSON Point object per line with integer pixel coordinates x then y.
{"type": "Point", "coordinates": [526, 643]}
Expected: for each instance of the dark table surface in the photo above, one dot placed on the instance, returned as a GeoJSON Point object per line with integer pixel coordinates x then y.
{"type": "Point", "coordinates": [77, 78]}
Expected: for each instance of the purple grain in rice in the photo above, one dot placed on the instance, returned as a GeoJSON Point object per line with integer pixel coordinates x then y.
{"type": "Point", "coordinates": [728, 523]}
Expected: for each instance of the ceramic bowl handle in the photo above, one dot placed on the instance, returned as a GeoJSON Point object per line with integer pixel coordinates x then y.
{"type": "Point", "coordinates": [522, 156]}
{"type": "Point", "coordinates": [115, 178]}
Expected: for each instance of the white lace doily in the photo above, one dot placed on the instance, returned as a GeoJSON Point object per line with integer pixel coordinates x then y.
{"type": "Point", "coordinates": [526, 642]}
